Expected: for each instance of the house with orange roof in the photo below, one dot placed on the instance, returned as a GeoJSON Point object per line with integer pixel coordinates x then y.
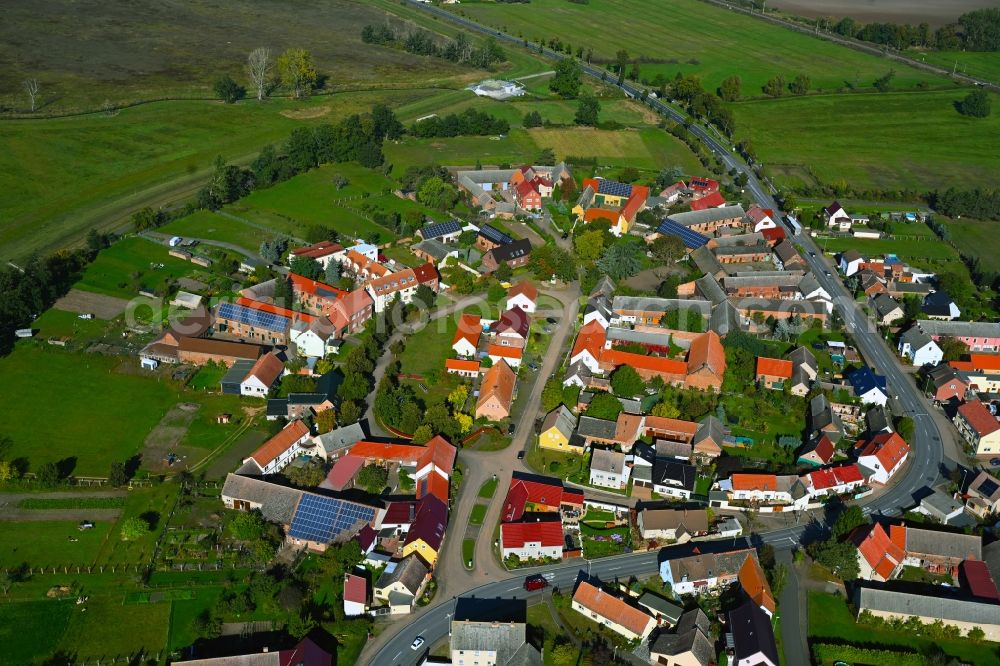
{"type": "Point", "coordinates": [384, 290]}
{"type": "Point", "coordinates": [880, 558]}
{"type": "Point", "coordinates": [467, 334]}
{"type": "Point", "coordinates": [522, 295]}
{"type": "Point", "coordinates": [512, 355]}
{"type": "Point", "coordinates": [706, 363]}
{"type": "Point", "coordinates": [589, 345]}
{"type": "Point", "coordinates": [496, 393]}
{"type": "Point", "coordinates": [616, 202]}
{"type": "Point", "coordinates": [608, 610]}
{"type": "Point", "coordinates": [262, 376]}
{"type": "Point", "coordinates": [434, 459]}
{"type": "Point", "coordinates": [765, 488]}
{"type": "Point", "coordinates": [462, 367]}
{"type": "Point", "coordinates": [672, 371]}
{"type": "Point", "coordinates": [979, 427]}
{"type": "Point", "coordinates": [755, 586]}
{"type": "Point", "coordinates": [671, 430]}
{"type": "Point", "coordinates": [772, 373]}
{"type": "Point", "coordinates": [713, 200]}
{"type": "Point", "coordinates": [275, 453]}
{"type": "Point", "coordinates": [315, 296]}
{"type": "Point", "coordinates": [349, 313]}
{"type": "Point", "coordinates": [363, 266]}
{"type": "Point", "coordinates": [882, 456]}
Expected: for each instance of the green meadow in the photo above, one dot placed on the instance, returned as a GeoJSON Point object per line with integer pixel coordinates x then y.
{"type": "Point", "coordinates": [981, 64]}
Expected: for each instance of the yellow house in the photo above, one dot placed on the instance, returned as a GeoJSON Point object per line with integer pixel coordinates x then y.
{"type": "Point", "coordinates": [557, 431]}
{"type": "Point", "coordinates": [427, 531]}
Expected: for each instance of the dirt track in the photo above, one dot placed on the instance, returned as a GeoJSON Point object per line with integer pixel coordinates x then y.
{"type": "Point", "coordinates": [99, 305]}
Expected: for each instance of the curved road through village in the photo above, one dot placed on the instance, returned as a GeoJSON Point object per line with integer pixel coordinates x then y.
{"type": "Point", "coordinates": [489, 580]}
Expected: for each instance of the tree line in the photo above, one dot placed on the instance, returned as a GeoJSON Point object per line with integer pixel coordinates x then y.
{"type": "Point", "coordinates": [979, 203]}
{"type": "Point", "coordinates": [978, 30]}
{"type": "Point", "coordinates": [469, 122]}
{"type": "Point", "coordinates": [421, 42]}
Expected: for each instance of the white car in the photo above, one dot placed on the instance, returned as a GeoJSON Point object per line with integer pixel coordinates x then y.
{"type": "Point", "coordinates": [417, 642]}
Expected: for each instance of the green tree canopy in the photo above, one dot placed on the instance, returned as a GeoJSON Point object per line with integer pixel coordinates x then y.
{"type": "Point", "coordinates": [567, 80]}
{"type": "Point", "coordinates": [626, 382]}
{"type": "Point", "coordinates": [604, 406]}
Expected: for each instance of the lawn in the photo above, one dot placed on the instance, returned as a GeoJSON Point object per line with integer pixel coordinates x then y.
{"type": "Point", "coordinates": [468, 552]}
{"type": "Point", "coordinates": [649, 149]}
{"type": "Point", "coordinates": [59, 323]}
{"type": "Point", "coordinates": [489, 489]}
{"type": "Point", "coordinates": [514, 148]}
{"type": "Point", "coordinates": [104, 416]}
{"type": "Point", "coordinates": [204, 432]}
{"type": "Point", "coordinates": [132, 264]}
{"type": "Point", "coordinates": [208, 377]}
{"type": "Point", "coordinates": [892, 141]}
{"type": "Point", "coordinates": [427, 349]}
{"type": "Point", "coordinates": [930, 253]}
{"type": "Point", "coordinates": [543, 631]}
{"type": "Point", "coordinates": [976, 238]}
{"type": "Point", "coordinates": [830, 618]}
{"type": "Point", "coordinates": [30, 630]}
{"type": "Point", "coordinates": [478, 514]}
{"type": "Point", "coordinates": [216, 226]}
{"type": "Point", "coordinates": [607, 545]}
{"type": "Point", "coordinates": [691, 37]}
{"type": "Point", "coordinates": [156, 154]}
{"type": "Point", "coordinates": [50, 542]}
{"type": "Point", "coordinates": [980, 64]}
{"type": "Point", "coordinates": [79, 502]}
{"type": "Point", "coordinates": [560, 464]}
{"type": "Point", "coordinates": [102, 628]}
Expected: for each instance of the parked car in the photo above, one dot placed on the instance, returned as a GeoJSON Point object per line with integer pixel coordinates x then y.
{"type": "Point", "coordinates": [536, 582]}
{"type": "Point", "coordinates": [520, 455]}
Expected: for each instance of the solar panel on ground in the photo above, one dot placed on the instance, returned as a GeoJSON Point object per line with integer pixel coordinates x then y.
{"type": "Point", "coordinates": [495, 235]}
{"type": "Point", "coordinates": [692, 239]}
{"type": "Point", "coordinates": [252, 317]}
{"type": "Point", "coordinates": [321, 519]}
{"type": "Point", "coordinates": [441, 229]}
{"type": "Point", "coordinates": [614, 188]}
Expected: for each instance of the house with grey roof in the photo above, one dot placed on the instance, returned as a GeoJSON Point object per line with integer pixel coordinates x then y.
{"type": "Point", "coordinates": [887, 310]}
{"type": "Point", "coordinates": [590, 429]}
{"type": "Point", "coordinates": [605, 287]}
{"type": "Point", "coordinates": [401, 585]}
{"type": "Point", "coordinates": [608, 469]}
{"type": "Point", "coordinates": [434, 250]}
{"type": "Point", "coordinates": [877, 420]}
{"type": "Point", "coordinates": [724, 318]}
{"type": "Point", "coordinates": [941, 506]}
{"type": "Point", "coordinates": [560, 424]}
{"type": "Point", "coordinates": [951, 610]}
{"type": "Point", "coordinates": [708, 287]}
{"type": "Point", "coordinates": [823, 419]}
{"type": "Point", "coordinates": [275, 502]}
{"type": "Point", "coordinates": [690, 643]}
{"type": "Point", "coordinates": [331, 445]}
{"type": "Point", "coordinates": [498, 643]}
{"type": "Point", "coordinates": [599, 308]}
{"type": "Point", "coordinates": [665, 612]}
{"type": "Point", "coordinates": [706, 261]}
{"type": "Point", "coordinates": [916, 345]}
{"type": "Point", "coordinates": [710, 220]}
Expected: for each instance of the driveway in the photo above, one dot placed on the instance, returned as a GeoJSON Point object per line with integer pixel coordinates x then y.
{"type": "Point", "coordinates": [794, 612]}
{"type": "Point", "coordinates": [157, 237]}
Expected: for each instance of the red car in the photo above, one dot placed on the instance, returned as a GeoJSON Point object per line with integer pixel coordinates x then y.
{"type": "Point", "coordinates": [535, 583]}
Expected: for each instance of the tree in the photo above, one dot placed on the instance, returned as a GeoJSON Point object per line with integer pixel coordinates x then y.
{"type": "Point", "coordinates": [326, 420]}
{"type": "Point", "coordinates": [620, 261]}
{"type": "Point", "coordinates": [775, 86]}
{"type": "Point", "coordinates": [552, 394]}
{"type": "Point", "coordinates": [589, 245]}
{"type": "Point", "coordinates": [626, 382]}
{"type": "Point", "coordinates": [565, 654]}
{"type": "Point", "coordinates": [7, 471]}
{"type": "Point", "coordinates": [458, 397]}
{"type": "Point", "coordinates": [350, 412]}
{"type": "Point", "coordinates": [31, 87]}
{"type": "Point", "coordinates": [48, 474]}
{"type": "Point", "coordinates": [305, 476]}
{"type": "Point", "coordinates": [332, 272]}
{"type": "Point", "coordinates": [800, 84]}
{"type": "Point", "coordinates": [147, 218]}
{"type": "Point", "coordinates": [604, 406]}
{"type": "Point", "coordinates": [373, 478]}
{"type": "Point", "coordinates": [307, 267]}
{"type": "Point", "coordinates": [133, 528]}
{"type": "Point", "coordinates": [532, 119]}
{"type": "Point", "coordinates": [423, 434]}
{"type": "Point", "coordinates": [587, 111]}
{"type": "Point", "coordinates": [621, 60]}
{"type": "Point", "coordinates": [666, 410]}
{"type": "Point", "coordinates": [297, 71]}
{"type": "Point", "coordinates": [882, 83]}
{"type": "Point", "coordinates": [259, 70]}
{"type": "Point", "coordinates": [976, 104]}
{"type": "Point", "coordinates": [567, 80]}
{"type": "Point", "coordinates": [729, 89]}
{"type": "Point", "coordinates": [464, 422]}
{"type": "Point", "coordinates": [117, 475]}
{"type": "Point", "coordinates": [904, 427]}
{"type": "Point", "coordinates": [668, 249]}
{"type": "Point", "coordinates": [96, 241]}
{"type": "Point", "coordinates": [849, 519]}
{"type": "Point", "coordinates": [228, 90]}
{"type": "Point", "coordinates": [955, 285]}
{"type": "Point", "coordinates": [952, 348]}
{"type": "Point", "coordinates": [839, 557]}
{"type": "Point", "coordinates": [668, 288]}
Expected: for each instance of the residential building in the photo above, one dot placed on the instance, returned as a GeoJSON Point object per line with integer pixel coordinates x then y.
{"type": "Point", "coordinates": [851, 262]}
{"type": "Point", "coordinates": [788, 257]}
{"type": "Point", "coordinates": [608, 610]}
{"type": "Point", "coordinates": [673, 479]}
{"type": "Point", "coordinates": [708, 438]}
{"type": "Point", "coordinates": [818, 452]}
{"type": "Point", "coordinates": [672, 524]}
{"type": "Point", "coordinates": [887, 310]}
{"type": "Point", "coordinates": [755, 586]}
{"type": "Point", "coordinates": [752, 637]}
{"type": "Point", "coordinates": [275, 453]}
{"type": "Point", "coordinates": [689, 644]}
{"type": "Point", "coordinates": [919, 347]}
{"type": "Point", "coordinates": [432, 463]}
{"type": "Point", "coordinates": [704, 572]}
{"type": "Point", "coordinates": [496, 393]}
{"type": "Point", "coordinates": [461, 367]}
{"type": "Point", "coordinates": [823, 419]}
{"type": "Point", "coordinates": [304, 653]}
{"type": "Point", "coordinates": [467, 334]}
{"type": "Point", "coordinates": [320, 520]}
{"type": "Point", "coordinates": [712, 220]}
{"type": "Point", "coordinates": [979, 427]}
{"type": "Point", "coordinates": [938, 305]}
{"type": "Point", "coordinates": [491, 643]}
{"type": "Point", "coordinates": [426, 534]}
{"type": "Point", "coordinates": [531, 494]}
{"type": "Point", "coordinates": [882, 456]}
{"type": "Point", "coordinates": [515, 254]}
{"type": "Point", "coordinates": [490, 237]}
{"type": "Point", "coordinates": [763, 488]}
{"type": "Point", "coordinates": [402, 583]}
{"type": "Point", "coordinates": [275, 502]}
{"type": "Point", "coordinates": [979, 336]}
{"type": "Point", "coordinates": [532, 540]}
{"type": "Point", "coordinates": [946, 384]}
{"type": "Point", "coordinates": [262, 376]}
{"type": "Point", "coordinates": [772, 373]}
{"type": "Point", "coordinates": [966, 614]}
{"type": "Point", "coordinates": [511, 355]}
{"type": "Point", "coordinates": [323, 252]}
{"type": "Point", "coordinates": [608, 469]}
{"type": "Point", "coordinates": [941, 507]}
{"type": "Point", "coordinates": [836, 216]}
{"type": "Point", "coordinates": [664, 612]}
{"type": "Point", "coordinates": [522, 295]}
{"type": "Point", "coordinates": [394, 286]}
{"type": "Point", "coordinates": [713, 200]}
{"type": "Point", "coordinates": [434, 251]}
{"type": "Point", "coordinates": [557, 431]}
{"type": "Point", "coordinates": [761, 218]}
{"type": "Point", "coordinates": [349, 313]}
{"type": "Point", "coordinates": [983, 495]}
{"type": "Point", "coordinates": [511, 330]}
{"type": "Point", "coordinates": [355, 595]}
{"type": "Point", "coordinates": [838, 480]}
{"type": "Point", "coordinates": [868, 386]}
{"type": "Point", "coordinates": [445, 232]}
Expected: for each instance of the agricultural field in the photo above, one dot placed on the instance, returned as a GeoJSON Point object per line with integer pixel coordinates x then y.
{"type": "Point", "coordinates": [983, 65]}
{"type": "Point", "coordinates": [133, 264]}
{"type": "Point", "coordinates": [892, 141]}
{"type": "Point", "coordinates": [692, 37]}
{"type": "Point", "coordinates": [932, 254]}
{"type": "Point", "coordinates": [976, 238]}
{"type": "Point", "coordinates": [647, 149]}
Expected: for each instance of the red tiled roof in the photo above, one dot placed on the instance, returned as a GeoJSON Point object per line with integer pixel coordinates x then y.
{"type": "Point", "coordinates": [343, 471]}
{"type": "Point", "coordinates": [525, 491]}
{"type": "Point", "coordinates": [440, 452]}
{"type": "Point", "coordinates": [437, 451]}
{"type": "Point", "coordinates": [774, 367]}
{"type": "Point", "coordinates": [978, 417]}
{"type": "Point", "coordinates": [878, 550]}
{"type": "Point", "coordinates": [318, 250]}
{"type": "Point", "coordinates": [515, 535]}
{"type": "Point", "coordinates": [612, 608]}
{"type": "Point", "coordinates": [515, 320]}
{"type": "Point", "coordinates": [824, 449]}
{"type": "Point", "coordinates": [707, 352]}
{"type": "Point", "coordinates": [498, 382]}
{"type": "Point", "coordinates": [984, 362]}
{"type": "Point", "coordinates": [713, 200]}
{"type": "Point", "coordinates": [394, 282]}
{"type": "Point", "coordinates": [301, 283]}
{"type": "Point", "coordinates": [505, 352]}
{"type": "Point", "coordinates": [636, 201]}
{"type": "Point", "coordinates": [658, 364]}
{"type": "Point", "coordinates": [595, 213]}
{"type": "Point", "coordinates": [888, 447]}
{"type": "Point", "coordinates": [355, 589]}
{"type": "Point", "coordinates": [460, 364]}
{"type": "Point", "coordinates": [267, 369]}
{"type": "Point", "coordinates": [591, 338]}
{"type": "Point", "coordinates": [469, 329]}
{"type": "Point", "coordinates": [823, 479]}
{"type": "Point", "coordinates": [754, 583]}
{"type": "Point", "coordinates": [978, 579]}
{"type": "Point", "coordinates": [426, 273]}
{"type": "Point", "coordinates": [280, 443]}
{"type": "Point", "coordinates": [664, 424]}
{"type": "Point", "coordinates": [703, 184]}
{"type": "Point", "coordinates": [755, 482]}
{"type": "Point", "coordinates": [758, 213]}
{"type": "Point", "coordinates": [773, 234]}
{"type": "Point", "coordinates": [400, 512]}
{"type": "Point", "coordinates": [523, 287]}
{"type": "Point", "coordinates": [434, 484]}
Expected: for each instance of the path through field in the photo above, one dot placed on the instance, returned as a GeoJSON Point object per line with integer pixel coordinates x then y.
{"type": "Point", "coordinates": [9, 510]}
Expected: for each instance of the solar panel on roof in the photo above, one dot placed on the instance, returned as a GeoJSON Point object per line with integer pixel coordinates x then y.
{"type": "Point", "coordinates": [322, 519]}
{"type": "Point", "coordinates": [495, 235]}
{"type": "Point", "coordinates": [692, 239]}
{"type": "Point", "coordinates": [252, 317]}
{"type": "Point", "coordinates": [614, 188]}
{"type": "Point", "coordinates": [988, 488]}
{"type": "Point", "coordinates": [441, 229]}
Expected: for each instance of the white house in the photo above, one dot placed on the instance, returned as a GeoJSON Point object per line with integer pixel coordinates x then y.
{"type": "Point", "coordinates": [355, 595]}
{"type": "Point", "coordinates": [850, 262]}
{"type": "Point", "coordinates": [598, 309]}
{"type": "Point", "coordinates": [588, 346]}
{"type": "Point", "coordinates": [366, 249]}
{"type": "Point", "coordinates": [262, 376]}
{"type": "Point", "coordinates": [761, 218]}
{"type": "Point", "coordinates": [608, 469]}
{"type": "Point", "coordinates": [281, 449]}
{"type": "Point", "coordinates": [467, 335]}
{"type": "Point", "coordinates": [384, 290]}
{"type": "Point", "coordinates": [310, 343]}
{"type": "Point", "coordinates": [522, 295]}
{"type": "Point", "coordinates": [836, 216]}
{"type": "Point", "coordinates": [761, 488]}
{"type": "Point", "coordinates": [882, 456]}
{"type": "Point", "coordinates": [919, 347]}
{"type": "Point", "coordinates": [529, 541]}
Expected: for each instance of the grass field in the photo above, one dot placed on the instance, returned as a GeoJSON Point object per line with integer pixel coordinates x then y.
{"type": "Point", "coordinates": [830, 617]}
{"type": "Point", "coordinates": [468, 552]}
{"type": "Point", "coordinates": [89, 395]}
{"type": "Point", "coordinates": [488, 489]}
{"type": "Point", "coordinates": [893, 141]}
{"type": "Point", "coordinates": [41, 543]}
{"type": "Point", "coordinates": [81, 502]}
{"type": "Point", "coordinates": [701, 39]}
{"type": "Point", "coordinates": [427, 349]}
{"type": "Point", "coordinates": [977, 238]}
{"type": "Point", "coordinates": [128, 265]}
{"type": "Point", "coordinates": [983, 65]}
{"type": "Point", "coordinates": [55, 322]}
{"type": "Point", "coordinates": [30, 630]}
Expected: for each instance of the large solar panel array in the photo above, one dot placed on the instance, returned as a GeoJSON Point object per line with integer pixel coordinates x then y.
{"type": "Point", "coordinates": [321, 519]}
{"type": "Point", "coordinates": [441, 229]}
{"type": "Point", "coordinates": [614, 188]}
{"type": "Point", "coordinates": [692, 239]}
{"type": "Point", "coordinates": [495, 235]}
{"type": "Point", "coordinates": [252, 317]}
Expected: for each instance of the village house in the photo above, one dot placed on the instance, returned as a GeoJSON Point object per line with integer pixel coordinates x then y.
{"type": "Point", "coordinates": [491, 642]}
{"type": "Point", "coordinates": [349, 313]}
{"type": "Point", "coordinates": [496, 393]}
{"type": "Point", "coordinates": [673, 479]}
{"type": "Point", "coordinates": [467, 334]}
{"type": "Point", "coordinates": [275, 453]}
{"type": "Point", "coordinates": [979, 427]}
{"type": "Point", "coordinates": [608, 469]}
{"type": "Point", "coordinates": [557, 431]}
{"type": "Point", "coordinates": [983, 495]}
{"type": "Point", "coordinates": [868, 386]}
{"type": "Point", "coordinates": [514, 254]}
{"type": "Point", "coordinates": [836, 217]}
{"type": "Point", "coordinates": [323, 252]}
{"type": "Point", "coordinates": [772, 373]}
{"type": "Point", "coordinates": [851, 262]}
{"type": "Point", "coordinates": [608, 610]}
{"type": "Point", "coordinates": [752, 636]}
{"type": "Point", "coordinates": [958, 612]}
{"type": "Point", "coordinates": [355, 595]}
{"type": "Point", "coordinates": [262, 376]}
{"type": "Point", "coordinates": [529, 494]}
{"type": "Point", "coordinates": [946, 384]}
{"type": "Point", "coordinates": [818, 452]}
{"type": "Point", "coordinates": [468, 369]}
{"type": "Point", "coordinates": [672, 524]}
{"type": "Point", "coordinates": [511, 330]}
{"type": "Point", "coordinates": [394, 286]}
{"type": "Point", "coordinates": [887, 310]}
{"type": "Point", "coordinates": [402, 583]}
{"type": "Point", "coordinates": [320, 521]}
{"type": "Point", "coordinates": [444, 232]}
{"type": "Point", "coordinates": [881, 456]}
{"type": "Point", "coordinates": [938, 305]}
{"type": "Point", "coordinates": [919, 347]}
{"type": "Point", "coordinates": [689, 644]}
{"type": "Point", "coordinates": [426, 534]}
{"type": "Point", "coordinates": [522, 295]}
{"type": "Point", "coordinates": [713, 200]}
{"type": "Point", "coordinates": [431, 464]}
{"type": "Point", "coordinates": [709, 222]}
{"type": "Point", "coordinates": [532, 540]}
{"type": "Point", "coordinates": [979, 336]}
{"type": "Point", "coordinates": [838, 480]}
{"type": "Point", "coordinates": [619, 203]}
{"type": "Point", "coordinates": [761, 218]}
{"type": "Point", "coordinates": [763, 489]}
{"type": "Point", "coordinates": [700, 573]}
{"type": "Point", "coordinates": [490, 237]}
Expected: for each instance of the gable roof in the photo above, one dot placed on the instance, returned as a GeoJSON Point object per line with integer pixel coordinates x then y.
{"type": "Point", "coordinates": [469, 329]}
{"type": "Point", "coordinates": [612, 608]}
{"type": "Point", "coordinates": [888, 447]}
{"type": "Point", "coordinates": [494, 235]}
{"type": "Point", "coordinates": [823, 479]}
{"type": "Point", "coordinates": [514, 320]}
{"type": "Point", "coordinates": [410, 571]}
{"type": "Point", "coordinates": [437, 451]}
{"type": "Point", "coordinates": [864, 380]}
{"type": "Point", "coordinates": [461, 365]}
{"type": "Point", "coordinates": [280, 443]}
{"type": "Point", "coordinates": [707, 352]}
{"type": "Point", "coordinates": [531, 489]}
{"type": "Point", "coordinates": [523, 287]}
{"type": "Point", "coordinates": [823, 447]}
{"type": "Point", "coordinates": [979, 418]}
{"type": "Point", "coordinates": [881, 553]}
{"type": "Point", "coordinates": [510, 251]}
{"type": "Point", "coordinates": [947, 609]}
{"type": "Point", "coordinates": [692, 520]}
{"type": "Point", "coordinates": [749, 482]}
{"type": "Point", "coordinates": [318, 250]}
{"type": "Point", "coordinates": [562, 419]}
{"type": "Point", "coordinates": [277, 502]}
{"type": "Point", "coordinates": [355, 589]}
{"type": "Point", "coordinates": [549, 533]}
{"type": "Point", "coordinates": [314, 287]}
{"type": "Point", "coordinates": [692, 239]}
{"type": "Point", "coordinates": [591, 338]}
{"type": "Point", "coordinates": [430, 522]}
{"type": "Point", "coordinates": [498, 383]}
{"type": "Point", "coordinates": [393, 282]}
{"type": "Point", "coordinates": [774, 367]}
{"type": "Point", "coordinates": [440, 229]}
{"type": "Point", "coordinates": [425, 273]}
{"type": "Point", "coordinates": [504, 351]}
{"type": "Point", "coordinates": [943, 544]}
{"type": "Point", "coordinates": [752, 633]}
{"type": "Point", "coordinates": [267, 369]}
{"type": "Point", "coordinates": [713, 200]}
{"type": "Point", "coordinates": [754, 583]}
